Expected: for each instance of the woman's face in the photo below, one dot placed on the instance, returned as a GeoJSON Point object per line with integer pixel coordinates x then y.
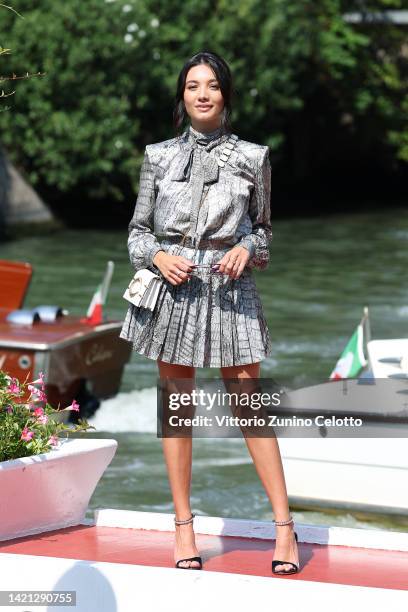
{"type": "Point", "coordinates": [202, 98]}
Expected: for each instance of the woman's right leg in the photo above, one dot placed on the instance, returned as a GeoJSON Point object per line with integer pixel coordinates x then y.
{"type": "Point", "coordinates": [178, 457]}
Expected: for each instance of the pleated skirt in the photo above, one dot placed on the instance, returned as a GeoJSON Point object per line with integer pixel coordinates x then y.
{"type": "Point", "coordinates": [210, 320]}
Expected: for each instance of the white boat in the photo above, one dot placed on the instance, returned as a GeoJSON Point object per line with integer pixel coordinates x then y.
{"type": "Point", "coordinates": [361, 474]}
{"type": "Point", "coordinates": [388, 358]}
{"type": "Point", "coordinates": [367, 474]}
{"type": "Point", "coordinates": [123, 560]}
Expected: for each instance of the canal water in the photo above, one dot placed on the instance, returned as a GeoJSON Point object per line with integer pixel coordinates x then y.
{"type": "Point", "coordinates": [323, 271]}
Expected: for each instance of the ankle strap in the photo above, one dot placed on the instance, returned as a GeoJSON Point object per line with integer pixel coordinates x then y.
{"type": "Point", "coordinates": [190, 520]}
{"type": "Point", "coordinates": [288, 522]}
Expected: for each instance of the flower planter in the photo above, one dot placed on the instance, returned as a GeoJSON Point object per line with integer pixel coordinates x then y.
{"type": "Point", "coordinates": [51, 490]}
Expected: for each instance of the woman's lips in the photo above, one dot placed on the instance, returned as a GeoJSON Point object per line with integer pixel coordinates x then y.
{"type": "Point", "coordinates": [204, 108]}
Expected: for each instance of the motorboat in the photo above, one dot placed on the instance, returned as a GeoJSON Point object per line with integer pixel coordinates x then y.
{"type": "Point", "coordinates": [82, 358]}
{"type": "Point", "coordinates": [336, 468]}
{"type": "Point", "coordinates": [119, 557]}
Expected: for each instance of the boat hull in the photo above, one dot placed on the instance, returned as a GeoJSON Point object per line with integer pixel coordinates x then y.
{"type": "Point", "coordinates": [83, 357]}
{"type": "Point", "coordinates": [118, 560]}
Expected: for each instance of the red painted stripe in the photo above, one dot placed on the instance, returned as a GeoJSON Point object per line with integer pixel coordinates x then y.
{"type": "Point", "coordinates": [237, 555]}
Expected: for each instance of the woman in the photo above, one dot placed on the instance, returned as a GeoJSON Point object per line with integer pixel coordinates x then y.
{"type": "Point", "coordinates": [210, 189]}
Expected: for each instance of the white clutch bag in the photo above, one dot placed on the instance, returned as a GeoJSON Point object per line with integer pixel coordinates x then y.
{"type": "Point", "coordinates": [143, 289]}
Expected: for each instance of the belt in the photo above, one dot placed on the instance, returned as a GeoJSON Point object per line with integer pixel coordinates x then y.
{"type": "Point", "coordinates": [203, 244]}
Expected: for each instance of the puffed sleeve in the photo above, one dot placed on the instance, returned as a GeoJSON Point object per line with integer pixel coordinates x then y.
{"type": "Point", "coordinates": [258, 241]}
{"type": "Point", "coordinates": [142, 243]}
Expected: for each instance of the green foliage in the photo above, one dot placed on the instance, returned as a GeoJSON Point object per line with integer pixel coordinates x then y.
{"type": "Point", "coordinates": [111, 68]}
{"type": "Point", "coordinates": [14, 77]}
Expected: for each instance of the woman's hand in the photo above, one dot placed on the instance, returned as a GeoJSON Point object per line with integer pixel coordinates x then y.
{"type": "Point", "coordinates": [175, 268]}
{"type": "Point", "coordinates": [234, 262]}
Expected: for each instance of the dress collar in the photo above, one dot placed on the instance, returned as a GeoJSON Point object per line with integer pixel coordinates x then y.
{"type": "Point", "coordinates": [208, 140]}
{"type": "Point", "coordinates": [191, 142]}
{"type": "Point", "coordinates": [207, 136]}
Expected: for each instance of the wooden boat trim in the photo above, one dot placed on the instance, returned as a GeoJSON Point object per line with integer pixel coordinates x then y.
{"type": "Point", "coordinates": [45, 346]}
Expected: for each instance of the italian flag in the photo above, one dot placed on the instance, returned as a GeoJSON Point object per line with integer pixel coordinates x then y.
{"type": "Point", "coordinates": [94, 314]}
{"type": "Point", "coordinates": [352, 359]}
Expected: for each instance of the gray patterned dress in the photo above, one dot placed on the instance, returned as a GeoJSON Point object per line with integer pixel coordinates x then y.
{"type": "Point", "coordinates": [215, 187]}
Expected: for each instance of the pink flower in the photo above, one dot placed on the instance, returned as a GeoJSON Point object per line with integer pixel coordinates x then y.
{"type": "Point", "coordinates": [36, 394]}
{"type": "Point", "coordinates": [43, 419]}
{"type": "Point", "coordinates": [73, 406]}
{"type": "Point", "coordinates": [26, 435]}
{"type": "Point", "coordinates": [38, 412]}
{"type": "Point", "coordinates": [40, 380]}
{"type": "Point", "coordinates": [14, 387]}
{"type": "Point", "coordinates": [53, 440]}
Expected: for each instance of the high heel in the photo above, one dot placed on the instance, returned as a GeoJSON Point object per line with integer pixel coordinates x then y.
{"type": "Point", "coordinates": [295, 566]}
{"type": "Point", "coordinates": [186, 522]}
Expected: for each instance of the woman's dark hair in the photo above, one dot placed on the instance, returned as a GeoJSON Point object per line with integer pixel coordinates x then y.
{"type": "Point", "coordinates": [223, 74]}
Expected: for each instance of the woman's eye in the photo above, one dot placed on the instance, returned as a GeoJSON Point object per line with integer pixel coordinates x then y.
{"type": "Point", "coordinates": [212, 87]}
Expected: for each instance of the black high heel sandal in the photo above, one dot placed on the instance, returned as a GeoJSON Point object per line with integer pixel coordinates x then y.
{"type": "Point", "coordinates": [190, 520]}
{"type": "Point", "coordinates": [276, 562]}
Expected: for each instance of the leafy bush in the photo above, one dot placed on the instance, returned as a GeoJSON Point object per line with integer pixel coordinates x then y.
{"type": "Point", "coordinates": [27, 426]}
{"type": "Point", "coordinates": [304, 77]}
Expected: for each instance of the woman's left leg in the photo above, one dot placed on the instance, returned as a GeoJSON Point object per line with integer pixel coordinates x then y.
{"type": "Point", "coordinates": [266, 456]}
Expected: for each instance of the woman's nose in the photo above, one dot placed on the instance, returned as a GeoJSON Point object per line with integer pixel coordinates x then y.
{"type": "Point", "coordinates": [202, 95]}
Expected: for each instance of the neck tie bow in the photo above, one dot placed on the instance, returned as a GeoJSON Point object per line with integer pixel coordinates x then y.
{"type": "Point", "coordinates": [194, 163]}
